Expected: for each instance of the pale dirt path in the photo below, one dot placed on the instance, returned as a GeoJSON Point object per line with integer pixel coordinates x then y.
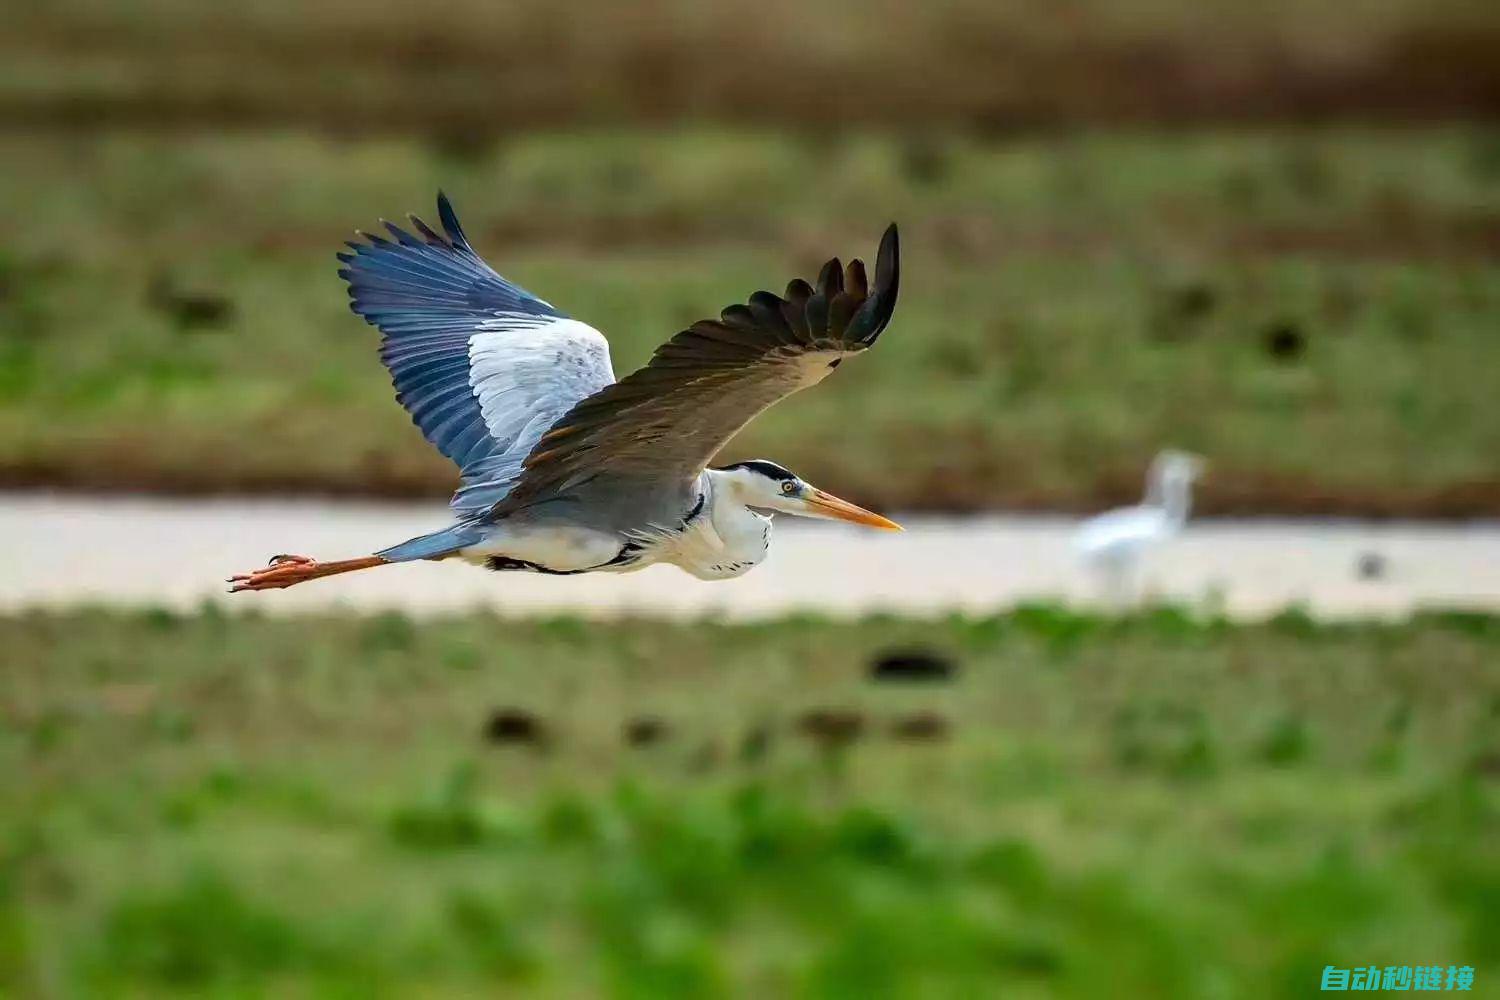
{"type": "Point", "coordinates": [62, 550]}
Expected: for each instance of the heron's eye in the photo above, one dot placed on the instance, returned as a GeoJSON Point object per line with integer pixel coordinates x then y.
{"type": "Point", "coordinates": [789, 487]}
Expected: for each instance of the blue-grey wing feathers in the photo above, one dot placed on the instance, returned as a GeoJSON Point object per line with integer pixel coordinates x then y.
{"type": "Point", "coordinates": [476, 359]}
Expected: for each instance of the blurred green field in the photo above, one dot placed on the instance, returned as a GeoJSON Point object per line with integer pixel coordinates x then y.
{"type": "Point", "coordinates": [1156, 806]}
{"type": "Point", "coordinates": [170, 317]}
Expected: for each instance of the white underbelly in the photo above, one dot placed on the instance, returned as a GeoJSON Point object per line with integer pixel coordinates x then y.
{"type": "Point", "coordinates": [561, 549]}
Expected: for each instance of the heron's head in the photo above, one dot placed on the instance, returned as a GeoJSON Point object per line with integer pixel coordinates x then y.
{"type": "Point", "coordinates": [767, 486]}
{"type": "Point", "coordinates": [1181, 466]}
{"type": "Point", "coordinates": [1172, 474]}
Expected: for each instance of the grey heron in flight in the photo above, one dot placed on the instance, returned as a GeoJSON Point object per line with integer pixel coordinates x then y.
{"type": "Point", "coordinates": [565, 470]}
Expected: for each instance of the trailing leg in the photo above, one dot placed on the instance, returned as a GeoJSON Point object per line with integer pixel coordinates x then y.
{"type": "Point", "coordinates": [286, 571]}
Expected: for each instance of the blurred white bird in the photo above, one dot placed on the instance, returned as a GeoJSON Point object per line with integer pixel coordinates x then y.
{"type": "Point", "coordinates": [1113, 543]}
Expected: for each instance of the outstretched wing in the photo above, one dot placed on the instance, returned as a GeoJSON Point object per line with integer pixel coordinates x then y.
{"type": "Point", "coordinates": [483, 366]}
{"type": "Point", "coordinates": [665, 422]}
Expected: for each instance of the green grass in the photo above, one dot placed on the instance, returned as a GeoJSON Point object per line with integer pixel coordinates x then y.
{"type": "Point", "coordinates": [1069, 305]}
{"type": "Point", "coordinates": [1159, 806]}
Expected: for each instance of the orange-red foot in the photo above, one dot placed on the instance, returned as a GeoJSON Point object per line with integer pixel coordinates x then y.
{"type": "Point", "coordinates": [288, 570]}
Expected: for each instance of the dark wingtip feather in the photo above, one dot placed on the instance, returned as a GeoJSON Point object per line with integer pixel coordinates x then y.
{"type": "Point", "coordinates": [831, 278]}
{"type": "Point", "coordinates": [875, 314]}
{"type": "Point", "coordinates": [888, 262]}
{"type": "Point", "coordinates": [840, 311]}
{"type": "Point", "coordinates": [855, 282]}
{"type": "Point", "coordinates": [449, 218]}
{"type": "Point", "coordinates": [402, 236]}
{"type": "Point", "coordinates": [766, 308]}
{"type": "Point", "coordinates": [425, 230]}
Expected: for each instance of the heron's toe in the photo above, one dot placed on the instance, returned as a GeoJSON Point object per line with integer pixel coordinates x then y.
{"type": "Point", "coordinates": [284, 571]}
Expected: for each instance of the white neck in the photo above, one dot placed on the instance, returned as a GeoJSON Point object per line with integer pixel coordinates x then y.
{"type": "Point", "coordinates": [1174, 495]}
{"type": "Point", "coordinates": [727, 538]}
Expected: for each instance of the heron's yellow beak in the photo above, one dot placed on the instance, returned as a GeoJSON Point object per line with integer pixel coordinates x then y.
{"type": "Point", "coordinates": [831, 506]}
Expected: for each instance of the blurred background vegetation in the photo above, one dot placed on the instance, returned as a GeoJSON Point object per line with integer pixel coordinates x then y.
{"type": "Point", "coordinates": [1065, 805]}
{"type": "Point", "coordinates": [1266, 232]}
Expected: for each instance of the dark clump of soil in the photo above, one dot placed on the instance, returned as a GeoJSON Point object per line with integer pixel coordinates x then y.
{"type": "Point", "coordinates": [1194, 301]}
{"type": "Point", "coordinates": [644, 730]}
{"type": "Point", "coordinates": [756, 745]}
{"type": "Point", "coordinates": [925, 160]}
{"type": "Point", "coordinates": [462, 146]}
{"type": "Point", "coordinates": [1284, 341]}
{"type": "Point", "coordinates": [1181, 312]}
{"type": "Point", "coordinates": [188, 308]}
{"type": "Point", "coordinates": [831, 726]}
{"type": "Point", "coordinates": [912, 666]}
{"type": "Point", "coordinates": [1370, 566]}
{"type": "Point", "coordinates": [515, 726]}
{"type": "Point", "coordinates": [921, 727]}
{"type": "Point", "coordinates": [1486, 765]}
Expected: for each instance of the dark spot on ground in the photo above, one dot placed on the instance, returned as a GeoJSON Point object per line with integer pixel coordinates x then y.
{"type": "Point", "coordinates": [1178, 312]}
{"type": "Point", "coordinates": [920, 727]}
{"type": "Point", "coordinates": [462, 146]}
{"type": "Point", "coordinates": [911, 665]}
{"type": "Point", "coordinates": [756, 745]}
{"type": "Point", "coordinates": [1284, 340]}
{"type": "Point", "coordinates": [1193, 301]}
{"type": "Point", "coordinates": [645, 730]}
{"type": "Point", "coordinates": [925, 159]}
{"type": "Point", "coordinates": [188, 308]}
{"type": "Point", "coordinates": [831, 726]}
{"type": "Point", "coordinates": [1486, 765]}
{"type": "Point", "coordinates": [1370, 566]}
{"type": "Point", "coordinates": [515, 725]}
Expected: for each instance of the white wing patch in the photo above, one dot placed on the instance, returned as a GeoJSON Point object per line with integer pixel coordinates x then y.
{"type": "Point", "coordinates": [527, 372]}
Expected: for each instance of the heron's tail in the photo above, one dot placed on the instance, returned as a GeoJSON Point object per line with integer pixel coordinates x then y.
{"type": "Point", "coordinates": [434, 545]}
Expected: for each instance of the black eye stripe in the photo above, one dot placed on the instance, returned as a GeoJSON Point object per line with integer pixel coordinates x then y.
{"type": "Point", "coordinates": [760, 466]}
